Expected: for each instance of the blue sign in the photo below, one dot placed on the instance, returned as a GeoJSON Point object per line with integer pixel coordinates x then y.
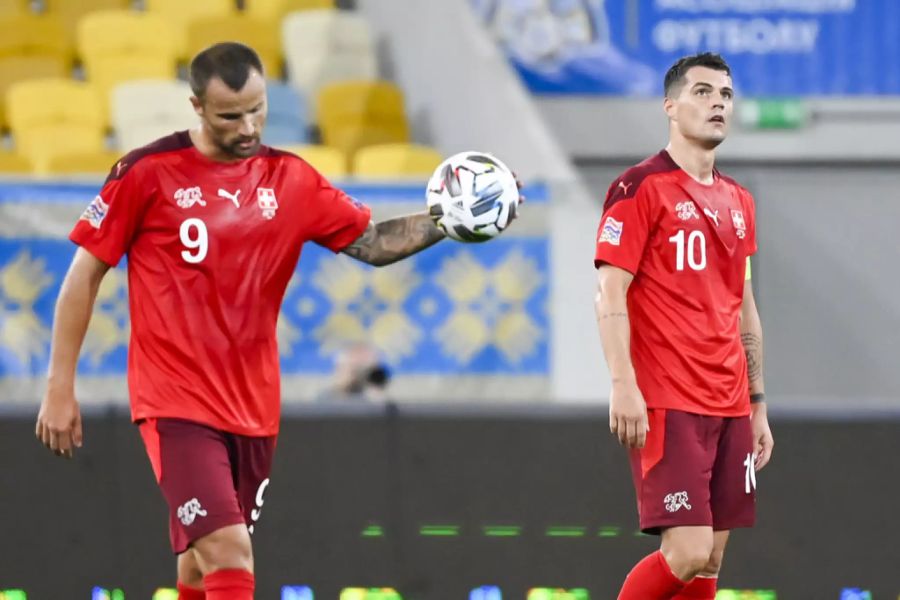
{"type": "Point", "coordinates": [775, 47]}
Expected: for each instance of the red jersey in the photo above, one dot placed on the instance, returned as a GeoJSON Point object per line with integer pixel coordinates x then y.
{"type": "Point", "coordinates": [687, 245]}
{"type": "Point", "coordinates": [211, 247]}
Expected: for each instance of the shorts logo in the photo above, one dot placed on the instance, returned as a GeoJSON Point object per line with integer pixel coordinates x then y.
{"type": "Point", "coordinates": [676, 500]}
{"type": "Point", "coordinates": [255, 513]}
{"type": "Point", "coordinates": [95, 212]}
{"type": "Point", "coordinates": [187, 197]}
{"type": "Point", "coordinates": [189, 511]}
{"type": "Point", "coordinates": [686, 210]}
{"type": "Point", "coordinates": [611, 233]}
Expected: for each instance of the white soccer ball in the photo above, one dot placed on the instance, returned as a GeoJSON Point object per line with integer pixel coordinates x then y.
{"type": "Point", "coordinates": [472, 196]}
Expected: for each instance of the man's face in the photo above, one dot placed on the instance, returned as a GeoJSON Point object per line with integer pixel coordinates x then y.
{"type": "Point", "coordinates": [702, 108]}
{"type": "Point", "coordinates": [234, 120]}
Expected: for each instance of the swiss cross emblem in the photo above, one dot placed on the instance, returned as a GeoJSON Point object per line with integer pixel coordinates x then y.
{"type": "Point", "coordinates": [265, 198]}
{"type": "Point", "coordinates": [737, 217]}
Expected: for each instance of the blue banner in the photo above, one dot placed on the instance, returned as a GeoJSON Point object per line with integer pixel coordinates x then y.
{"type": "Point", "coordinates": [775, 47]}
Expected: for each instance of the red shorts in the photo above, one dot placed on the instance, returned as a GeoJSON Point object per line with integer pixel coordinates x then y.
{"type": "Point", "coordinates": [210, 478]}
{"type": "Point", "coordinates": [695, 470]}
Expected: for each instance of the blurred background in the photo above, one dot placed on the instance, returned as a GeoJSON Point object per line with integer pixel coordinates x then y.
{"type": "Point", "coordinates": [445, 431]}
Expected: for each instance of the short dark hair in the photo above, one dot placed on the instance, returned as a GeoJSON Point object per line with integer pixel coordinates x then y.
{"type": "Point", "coordinates": [675, 75]}
{"type": "Point", "coordinates": [229, 61]}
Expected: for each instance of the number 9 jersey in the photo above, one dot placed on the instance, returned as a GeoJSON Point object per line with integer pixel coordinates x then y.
{"type": "Point", "coordinates": [211, 248]}
{"type": "Point", "coordinates": [687, 245]}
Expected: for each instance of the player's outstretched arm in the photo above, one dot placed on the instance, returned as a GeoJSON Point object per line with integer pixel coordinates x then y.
{"type": "Point", "coordinates": [395, 239]}
{"type": "Point", "coordinates": [627, 409]}
{"type": "Point", "coordinates": [59, 420]}
{"type": "Point", "coordinates": [752, 339]}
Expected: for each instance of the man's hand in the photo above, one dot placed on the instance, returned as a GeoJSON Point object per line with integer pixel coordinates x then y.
{"type": "Point", "coordinates": [59, 423]}
{"type": "Point", "coordinates": [628, 414]}
{"type": "Point", "coordinates": [763, 442]}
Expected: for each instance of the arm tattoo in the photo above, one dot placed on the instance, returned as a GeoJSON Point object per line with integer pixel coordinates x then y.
{"type": "Point", "coordinates": [753, 349]}
{"type": "Point", "coordinates": [614, 315]}
{"type": "Point", "coordinates": [394, 239]}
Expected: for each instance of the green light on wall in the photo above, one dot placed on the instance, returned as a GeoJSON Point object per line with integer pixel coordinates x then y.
{"type": "Point", "coordinates": [609, 531]}
{"type": "Point", "coordinates": [13, 595]}
{"type": "Point", "coordinates": [558, 594]}
{"type": "Point", "coordinates": [439, 530]}
{"type": "Point", "coordinates": [559, 531]}
{"type": "Point", "coordinates": [165, 594]}
{"type": "Point", "coordinates": [746, 595]}
{"type": "Point", "coordinates": [373, 531]}
{"type": "Point", "coordinates": [370, 594]}
{"type": "Point", "coordinates": [501, 530]}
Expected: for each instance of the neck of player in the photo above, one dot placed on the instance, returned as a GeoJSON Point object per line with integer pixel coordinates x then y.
{"type": "Point", "coordinates": [695, 160]}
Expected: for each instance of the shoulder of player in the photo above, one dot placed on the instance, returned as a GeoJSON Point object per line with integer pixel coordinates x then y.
{"type": "Point", "coordinates": [174, 142]}
{"type": "Point", "coordinates": [289, 158]}
{"type": "Point", "coordinates": [733, 183]}
{"type": "Point", "coordinates": [635, 178]}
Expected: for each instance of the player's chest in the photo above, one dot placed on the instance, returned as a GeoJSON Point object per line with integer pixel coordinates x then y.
{"type": "Point", "coordinates": [697, 232]}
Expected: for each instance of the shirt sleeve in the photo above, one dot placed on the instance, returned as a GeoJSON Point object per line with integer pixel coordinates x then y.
{"type": "Point", "coordinates": [339, 219]}
{"type": "Point", "coordinates": [751, 210]}
{"type": "Point", "coordinates": [624, 228]}
{"type": "Point", "coordinates": [108, 225]}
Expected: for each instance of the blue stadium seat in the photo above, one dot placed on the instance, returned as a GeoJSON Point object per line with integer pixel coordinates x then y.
{"type": "Point", "coordinates": [288, 121]}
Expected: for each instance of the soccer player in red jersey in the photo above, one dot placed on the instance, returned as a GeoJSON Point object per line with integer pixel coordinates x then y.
{"type": "Point", "coordinates": [683, 340]}
{"type": "Point", "coordinates": [213, 223]}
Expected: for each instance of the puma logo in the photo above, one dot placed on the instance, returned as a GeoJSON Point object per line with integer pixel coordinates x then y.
{"type": "Point", "coordinates": [712, 215]}
{"type": "Point", "coordinates": [233, 197]}
{"type": "Point", "coordinates": [624, 186]}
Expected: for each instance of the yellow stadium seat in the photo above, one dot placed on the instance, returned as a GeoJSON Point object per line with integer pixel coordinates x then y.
{"type": "Point", "coordinates": [259, 34]}
{"type": "Point", "coordinates": [47, 102]}
{"type": "Point", "coordinates": [13, 7]}
{"type": "Point", "coordinates": [143, 111]}
{"type": "Point", "coordinates": [324, 46]}
{"type": "Point", "coordinates": [355, 114]}
{"type": "Point", "coordinates": [396, 160]}
{"type": "Point", "coordinates": [330, 162]}
{"type": "Point", "coordinates": [42, 144]}
{"type": "Point", "coordinates": [14, 69]}
{"type": "Point", "coordinates": [12, 163]}
{"type": "Point", "coordinates": [275, 10]}
{"type": "Point", "coordinates": [119, 46]}
{"type": "Point", "coordinates": [179, 14]}
{"type": "Point", "coordinates": [71, 11]}
{"type": "Point", "coordinates": [35, 35]}
{"type": "Point", "coordinates": [93, 163]}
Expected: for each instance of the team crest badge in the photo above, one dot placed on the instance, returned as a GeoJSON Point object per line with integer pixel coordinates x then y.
{"type": "Point", "coordinates": [686, 210]}
{"type": "Point", "coordinates": [737, 217]}
{"type": "Point", "coordinates": [611, 232]}
{"type": "Point", "coordinates": [265, 198]}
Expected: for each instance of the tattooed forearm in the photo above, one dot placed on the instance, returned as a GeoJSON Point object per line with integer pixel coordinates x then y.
{"type": "Point", "coordinates": [753, 349]}
{"type": "Point", "coordinates": [394, 239]}
{"type": "Point", "coordinates": [613, 315]}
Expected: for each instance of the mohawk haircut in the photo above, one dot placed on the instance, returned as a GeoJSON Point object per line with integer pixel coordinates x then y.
{"type": "Point", "coordinates": [675, 75]}
{"type": "Point", "coordinates": [229, 61]}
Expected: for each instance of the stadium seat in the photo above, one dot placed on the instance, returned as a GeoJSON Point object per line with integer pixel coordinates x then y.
{"type": "Point", "coordinates": [35, 35]}
{"type": "Point", "coordinates": [54, 116]}
{"type": "Point", "coordinates": [179, 14]}
{"type": "Point", "coordinates": [94, 163]}
{"type": "Point", "coordinates": [119, 46]}
{"type": "Point", "coordinates": [275, 10]}
{"type": "Point", "coordinates": [260, 35]}
{"type": "Point", "coordinates": [13, 7]}
{"type": "Point", "coordinates": [330, 162]}
{"type": "Point", "coordinates": [288, 121]}
{"type": "Point", "coordinates": [354, 114]}
{"type": "Point", "coordinates": [143, 111]}
{"type": "Point", "coordinates": [396, 160]}
{"type": "Point", "coordinates": [322, 46]}
{"type": "Point", "coordinates": [14, 69]}
{"type": "Point", "coordinates": [70, 12]}
{"type": "Point", "coordinates": [12, 163]}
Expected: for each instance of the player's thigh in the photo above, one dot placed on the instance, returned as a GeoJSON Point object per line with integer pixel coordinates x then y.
{"type": "Point", "coordinates": [253, 465]}
{"type": "Point", "coordinates": [688, 544]}
{"type": "Point", "coordinates": [194, 471]}
{"type": "Point", "coordinates": [671, 473]}
{"type": "Point", "coordinates": [733, 484]}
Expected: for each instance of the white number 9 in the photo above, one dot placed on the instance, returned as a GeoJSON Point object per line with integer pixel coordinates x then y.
{"type": "Point", "coordinates": [191, 241]}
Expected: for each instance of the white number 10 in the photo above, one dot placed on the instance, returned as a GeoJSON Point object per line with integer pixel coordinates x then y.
{"type": "Point", "coordinates": [695, 238]}
{"type": "Point", "coordinates": [193, 236]}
